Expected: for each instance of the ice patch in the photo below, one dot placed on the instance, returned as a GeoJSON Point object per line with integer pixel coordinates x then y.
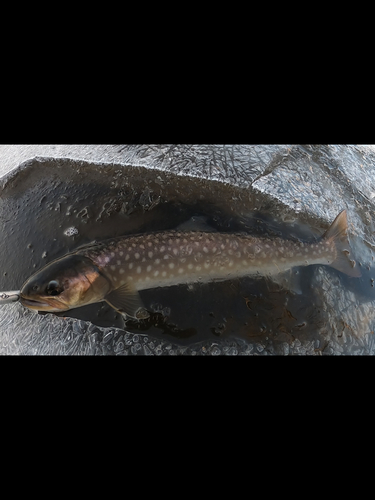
{"type": "Point", "coordinates": [71, 231]}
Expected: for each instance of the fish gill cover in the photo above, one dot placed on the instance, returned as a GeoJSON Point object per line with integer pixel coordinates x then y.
{"type": "Point", "coordinates": [51, 206]}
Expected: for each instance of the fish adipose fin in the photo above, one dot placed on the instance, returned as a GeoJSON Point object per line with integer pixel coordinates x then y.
{"type": "Point", "coordinates": [126, 299]}
{"type": "Point", "coordinates": [338, 233]}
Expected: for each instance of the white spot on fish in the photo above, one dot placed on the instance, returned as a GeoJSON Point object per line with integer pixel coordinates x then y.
{"type": "Point", "coordinates": [119, 262]}
{"type": "Point", "coordinates": [136, 255]}
{"type": "Point", "coordinates": [171, 265]}
{"type": "Point", "coordinates": [164, 274]}
{"type": "Point", "coordinates": [131, 265]}
{"type": "Point", "coordinates": [175, 251]}
{"type": "Point", "coordinates": [150, 254]}
{"type": "Point", "coordinates": [148, 269]}
{"type": "Point", "coordinates": [198, 268]}
{"type": "Point", "coordinates": [121, 254]}
{"type": "Point", "coordinates": [112, 254]}
{"type": "Point", "coordinates": [113, 268]}
{"type": "Point", "coordinates": [190, 266]}
{"type": "Point", "coordinates": [230, 263]}
{"type": "Point", "coordinates": [166, 256]}
{"type": "Point", "coordinates": [127, 257]}
{"type": "Point", "coordinates": [122, 271]}
{"type": "Point", "coordinates": [214, 249]}
{"type": "Point", "coordinates": [156, 273]}
{"type": "Point", "coordinates": [106, 259]}
{"type": "Point", "coordinates": [162, 248]}
{"type": "Point", "coordinates": [206, 265]}
{"type": "Point", "coordinates": [139, 269]}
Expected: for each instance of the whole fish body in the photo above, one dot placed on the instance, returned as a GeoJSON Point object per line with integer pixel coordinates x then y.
{"type": "Point", "coordinates": [116, 269]}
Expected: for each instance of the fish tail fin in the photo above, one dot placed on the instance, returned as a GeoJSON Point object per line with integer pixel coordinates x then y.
{"type": "Point", "coordinates": [338, 233]}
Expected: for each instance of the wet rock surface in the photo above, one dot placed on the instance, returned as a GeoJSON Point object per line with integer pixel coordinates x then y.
{"type": "Point", "coordinates": [61, 197]}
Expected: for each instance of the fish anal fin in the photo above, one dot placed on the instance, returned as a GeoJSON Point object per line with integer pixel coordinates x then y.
{"type": "Point", "coordinates": [126, 299]}
{"type": "Point", "coordinates": [338, 233]}
{"type": "Point", "coordinates": [289, 280]}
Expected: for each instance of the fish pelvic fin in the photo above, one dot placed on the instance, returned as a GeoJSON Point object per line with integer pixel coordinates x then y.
{"type": "Point", "coordinates": [338, 233]}
{"type": "Point", "coordinates": [126, 299]}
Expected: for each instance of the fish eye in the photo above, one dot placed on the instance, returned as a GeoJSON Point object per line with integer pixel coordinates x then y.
{"type": "Point", "coordinates": [53, 288]}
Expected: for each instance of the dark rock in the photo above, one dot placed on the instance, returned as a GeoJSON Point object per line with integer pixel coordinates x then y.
{"type": "Point", "coordinates": [55, 198]}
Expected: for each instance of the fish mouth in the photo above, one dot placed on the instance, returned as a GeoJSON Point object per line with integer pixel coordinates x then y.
{"type": "Point", "coordinates": [34, 304]}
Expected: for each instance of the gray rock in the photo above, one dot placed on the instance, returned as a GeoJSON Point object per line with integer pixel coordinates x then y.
{"type": "Point", "coordinates": [55, 198]}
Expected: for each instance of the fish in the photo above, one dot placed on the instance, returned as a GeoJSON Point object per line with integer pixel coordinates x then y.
{"type": "Point", "coordinates": [115, 270]}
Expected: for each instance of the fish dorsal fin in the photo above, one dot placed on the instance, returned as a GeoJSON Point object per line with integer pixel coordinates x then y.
{"type": "Point", "coordinates": [338, 233]}
{"type": "Point", "coordinates": [126, 299]}
{"type": "Point", "coordinates": [338, 229]}
{"type": "Point", "coordinates": [85, 246]}
{"type": "Point", "coordinates": [196, 223]}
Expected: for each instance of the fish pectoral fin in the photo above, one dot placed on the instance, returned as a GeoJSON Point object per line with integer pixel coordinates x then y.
{"type": "Point", "coordinates": [126, 299]}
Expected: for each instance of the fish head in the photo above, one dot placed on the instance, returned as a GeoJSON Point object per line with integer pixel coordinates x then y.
{"type": "Point", "coordinates": [66, 283]}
